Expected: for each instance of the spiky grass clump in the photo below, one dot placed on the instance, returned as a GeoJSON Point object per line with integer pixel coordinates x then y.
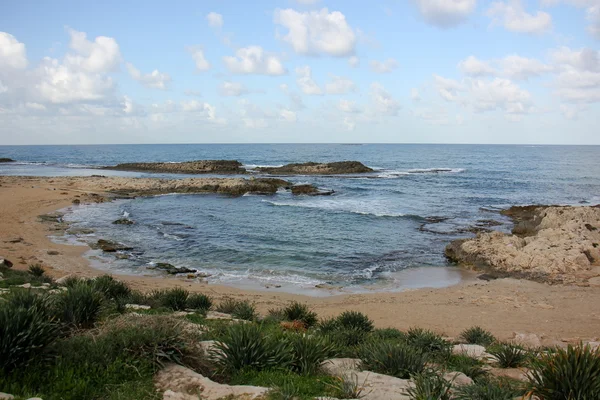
{"type": "Point", "coordinates": [478, 335]}
{"type": "Point", "coordinates": [397, 360]}
{"type": "Point", "coordinates": [80, 306]}
{"type": "Point", "coordinates": [428, 342]}
{"type": "Point", "coordinates": [328, 326]}
{"type": "Point", "coordinates": [199, 301]}
{"type": "Point", "coordinates": [71, 281]}
{"type": "Point", "coordinates": [430, 385]}
{"type": "Point", "coordinates": [300, 312]}
{"type": "Point", "coordinates": [227, 305]}
{"type": "Point", "coordinates": [36, 270]}
{"type": "Point", "coordinates": [355, 320]}
{"type": "Point", "coordinates": [389, 334]}
{"type": "Point", "coordinates": [251, 346]}
{"type": "Point", "coordinates": [509, 355]}
{"type": "Point", "coordinates": [309, 351]}
{"type": "Point", "coordinates": [348, 386]}
{"type": "Point", "coordinates": [489, 389]}
{"type": "Point", "coordinates": [175, 299]}
{"type": "Point", "coordinates": [571, 373]}
{"type": "Point", "coordinates": [25, 330]}
{"type": "Point", "coordinates": [111, 288]}
{"type": "Point", "coordinates": [471, 367]}
{"type": "Point", "coordinates": [25, 298]}
{"type": "Point", "coordinates": [245, 310]}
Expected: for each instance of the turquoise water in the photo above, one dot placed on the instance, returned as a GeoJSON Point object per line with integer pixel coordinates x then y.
{"type": "Point", "coordinates": [373, 227]}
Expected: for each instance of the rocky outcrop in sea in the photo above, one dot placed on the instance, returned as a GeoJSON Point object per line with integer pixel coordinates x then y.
{"type": "Point", "coordinates": [313, 168]}
{"type": "Point", "coordinates": [188, 167]}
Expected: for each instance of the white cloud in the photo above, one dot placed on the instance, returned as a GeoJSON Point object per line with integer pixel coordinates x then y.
{"type": "Point", "coordinates": [383, 101]}
{"type": "Point", "coordinates": [191, 92]}
{"type": "Point", "coordinates": [578, 79]}
{"type": "Point", "coordinates": [295, 99]}
{"type": "Point", "coordinates": [349, 124]}
{"type": "Point", "coordinates": [100, 56]}
{"type": "Point", "coordinates": [585, 59]}
{"type": "Point", "coordinates": [593, 16]}
{"type": "Point", "coordinates": [472, 66]}
{"type": "Point", "coordinates": [339, 85]}
{"type": "Point", "coordinates": [305, 82]}
{"type": "Point", "coordinates": [317, 32]}
{"type": "Point", "coordinates": [288, 115]}
{"type": "Point", "coordinates": [348, 106]}
{"type": "Point", "coordinates": [12, 52]}
{"type": "Point", "coordinates": [155, 79]}
{"type": "Point", "coordinates": [254, 60]}
{"type": "Point", "coordinates": [499, 94]}
{"type": "Point", "coordinates": [515, 19]}
{"type": "Point", "coordinates": [522, 68]}
{"type": "Point", "coordinates": [384, 67]}
{"type": "Point", "coordinates": [3, 89]}
{"type": "Point", "coordinates": [198, 56]}
{"type": "Point", "coordinates": [446, 13]}
{"type": "Point", "coordinates": [447, 88]}
{"type": "Point", "coordinates": [435, 116]}
{"type": "Point", "coordinates": [232, 89]}
{"type": "Point", "coordinates": [415, 95]}
{"type": "Point", "coordinates": [307, 2]}
{"type": "Point", "coordinates": [354, 61]}
{"type": "Point", "coordinates": [35, 106]}
{"type": "Point", "coordinates": [207, 111]}
{"type": "Point", "coordinates": [215, 20]}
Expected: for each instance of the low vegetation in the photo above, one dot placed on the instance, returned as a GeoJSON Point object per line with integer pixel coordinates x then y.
{"type": "Point", "coordinates": [80, 340]}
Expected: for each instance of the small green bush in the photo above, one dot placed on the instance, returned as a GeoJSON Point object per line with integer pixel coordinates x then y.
{"type": "Point", "coordinates": [397, 360]}
{"type": "Point", "coordinates": [245, 310]}
{"type": "Point", "coordinates": [571, 373]}
{"type": "Point", "coordinates": [111, 288]}
{"type": "Point", "coordinates": [227, 305]}
{"type": "Point", "coordinates": [36, 270]}
{"type": "Point", "coordinates": [355, 320]}
{"type": "Point", "coordinates": [300, 312]}
{"type": "Point", "coordinates": [25, 331]}
{"type": "Point", "coordinates": [428, 342]}
{"type": "Point", "coordinates": [348, 386]}
{"type": "Point", "coordinates": [328, 325]}
{"type": "Point", "coordinates": [302, 387]}
{"type": "Point", "coordinates": [389, 334]}
{"type": "Point", "coordinates": [430, 385]}
{"type": "Point", "coordinates": [469, 366]}
{"type": "Point", "coordinates": [199, 301]}
{"type": "Point", "coordinates": [26, 298]}
{"type": "Point", "coordinates": [347, 339]}
{"type": "Point", "coordinates": [489, 389]}
{"type": "Point", "coordinates": [80, 306]}
{"type": "Point", "coordinates": [250, 346]}
{"type": "Point", "coordinates": [175, 299]}
{"type": "Point", "coordinates": [71, 281]}
{"type": "Point", "coordinates": [478, 335]}
{"type": "Point", "coordinates": [509, 355]}
{"type": "Point", "coordinates": [309, 351]}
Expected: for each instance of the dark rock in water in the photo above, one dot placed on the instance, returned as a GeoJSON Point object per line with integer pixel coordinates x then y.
{"type": "Point", "coordinates": [188, 167]}
{"type": "Point", "coordinates": [171, 269]}
{"type": "Point", "coordinates": [123, 221]}
{"type": "Point", "coordinates": [111, 247]}
{"type": "Point", "coordinates": [4, 263]}
{"type": "Point", "coordinates": [6, 160]}
{"type": "Point", "coordinates": [80, 231]}
{"type": "Point", "coordinates": [122, 256]}
{"type": "Point", "coordinates": [312, 168]}
{"type": "Point", "coordinates": [310, 190]}
{"type": "Point", "coordinates": [53, 217]}
{"type": "Point", "coordinates": [488, 222]}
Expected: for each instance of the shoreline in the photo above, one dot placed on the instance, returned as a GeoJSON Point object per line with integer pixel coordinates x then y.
{"type": "Point", "coordinates": [503, 306]}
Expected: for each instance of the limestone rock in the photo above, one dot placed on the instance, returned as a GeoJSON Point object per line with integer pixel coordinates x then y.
{"type": "Point", "coordinates": [4, 263]}
{"type": "Point", "coordinates": [62, 280]}
{"type": "Point", "coordinates": [471, 350]}
{"type": "Point", "coordinates": [310, 190]}
{"type": "Point", "coordinates": [137, 307]}
{"type": "Point", "coordinates": [188, 167]}
{"type": "Point", "coordinates": [458, 379]}
{"type": "Point", "coordinates": [109, 246]}
{"type": "Point", "coordinates": [218, 315]}
{"type": "Point", "coordinates": [340, 366]}
{"type": "Point", "coordinates": [181, 382]}
{"type": "Point", "coordinates": [382, 387]}
{"type": "Point", "coordinates": [171, 269]}
{"type": "Point", "coordinates": [519, 374]}
{"type": "Point", "coordinates": [313, 168]}
{"type": "Point", "coordinates": [529, 340]}
{"type": "Point", "coordinates": [6, 396]}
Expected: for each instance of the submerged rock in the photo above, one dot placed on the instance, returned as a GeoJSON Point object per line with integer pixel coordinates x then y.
{"type": "Point", "coordinates": [109, 246]}
{"type": "Point", "coordinates": [187, 167]}
{"type": "Point", "coordinates": [310, 190]}
{"type": "Point", "coordinates": [171, 269]}
{"type": "Point", "coordinates": [313, 168]}
{"type": "Point", "coordinates": [123, 221]}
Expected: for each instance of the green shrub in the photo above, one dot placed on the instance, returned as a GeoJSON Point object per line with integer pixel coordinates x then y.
{"type": "Point", "coordinates": [469, 366]}
{"type": "Point", "coordinates": [509, 355]}
{"type": "Point", "coordinates": [26, 298]}
{"type": "Point", "coordinates": [245, 310]}
{"type": "Point", "coordinates": [25, 331]}
{"type": "Point", "coordinates": [71, 281]}
{"type": "Point", "coordinates": [355, 320]}
{"type": "Point", "coordinates": [111, 288]}
{"type": "Point", "coordinates": [250, 346]}
{"type": "Point", "coordinates": [428, 342]}
{"type": "Point", "coordinates": [227, 305]}
{"type": "Point", "coordinates": [348, 386]}
{"type": "Point", "coordinates": [397, 360]}
{"type": "Point", "coordinates": [489, 389]}
{"type": "Point", "coordinates": [300, 312]}
{"type": "Point", "coordinates": [347, 339]}
{"type": "Point", "coordinates": [36, 270]}
{"type": "Point", "coordinates": [572, 373]}
{"type": "Point", "coordinates": [80, 306]}
{"type": "Point", "coordinates": [302, 387]}
{"type": "Point", "coordinates": [199, 301]}
{"type": "Point", "coordinates": [175, 299]}
{"type": "Point", "coordinates": [389, 334]}
{"type": "Point", "coordinates": [275, 315]}
{"type": "Point", "coordinates": [430, 385]}
{"type": "Point", "coordinates": [478, 335]}
{"type": "Point", "coordinates": [328, 325]}
{"type": "Point", "coordinates": [309, 352]}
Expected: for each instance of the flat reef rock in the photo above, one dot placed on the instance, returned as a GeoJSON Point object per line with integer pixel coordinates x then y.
{"type": "Point", "coordinates": [4, 159]}
{"type": "Point", "coordinates": [187, 167]}
{"type": "Point", "coordinates": [313, 168]}
{"type": "Point", "coordinates": [554, 244]}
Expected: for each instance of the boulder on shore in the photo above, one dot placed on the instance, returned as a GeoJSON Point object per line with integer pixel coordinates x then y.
{"type": "Point", "coordinates": [109, 246]}
{"type": "Point", "coordinates": [313, 168]}
{"type": "Point", "coordinates": [171, 269]}
{"type": "Point", "coordinates": [4, 263]}
{"type": "Point", "coordinates": [187, 167]}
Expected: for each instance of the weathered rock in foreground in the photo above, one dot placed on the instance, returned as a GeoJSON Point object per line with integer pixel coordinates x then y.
{"type": "Point", "coordinates": [180, 383]}
{"type": "Point", "coordinates": [312, 168]}
{"type": "Point", "coordinates": [3, 159]}
{"type": "Point", "coordinates": [556, 244]}
{"type": "Point", "coordinates": [187, 167]}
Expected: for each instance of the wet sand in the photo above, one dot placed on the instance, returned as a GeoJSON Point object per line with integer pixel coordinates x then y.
{"type": "Point", "coordinates": [503, 306]}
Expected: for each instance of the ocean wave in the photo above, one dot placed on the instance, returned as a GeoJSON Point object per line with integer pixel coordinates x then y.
{"type": "Point", "coordinates": [54, 164]}
{"type": "Point", "coordinates": [435, 170]}
{"type": "Point", "coordinates": [353, 207]}
{"type": "Point", "coordinates": [252, 167]}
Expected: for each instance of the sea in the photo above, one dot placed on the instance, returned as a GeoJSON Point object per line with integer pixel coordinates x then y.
{"type": "Point", "coordinates": [385, 230]}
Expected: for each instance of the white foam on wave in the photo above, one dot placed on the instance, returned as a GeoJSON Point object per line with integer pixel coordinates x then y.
{"type": "Point", "coordinates": [435, 170]}
{"type": "Point", "coordinates": [353, 206]}
{"type": "Point", "coordinates": [252, 167]}
{"type": "Point", "coordinates": [174, 237]}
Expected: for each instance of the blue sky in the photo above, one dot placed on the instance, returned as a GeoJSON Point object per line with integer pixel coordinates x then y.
{"type": "Point", "coordinates": [442, 71]}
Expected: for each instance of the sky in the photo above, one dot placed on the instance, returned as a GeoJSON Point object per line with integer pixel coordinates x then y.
{"type": "Point", "coordinates": [295, 71]}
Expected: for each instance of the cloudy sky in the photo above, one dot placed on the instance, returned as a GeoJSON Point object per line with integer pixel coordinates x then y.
{"type": "Point", "coordinates": [416, 71]}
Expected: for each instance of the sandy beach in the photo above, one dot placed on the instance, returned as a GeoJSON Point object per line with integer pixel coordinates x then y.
{"type": "Point", "coordinates": [556, 313]}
